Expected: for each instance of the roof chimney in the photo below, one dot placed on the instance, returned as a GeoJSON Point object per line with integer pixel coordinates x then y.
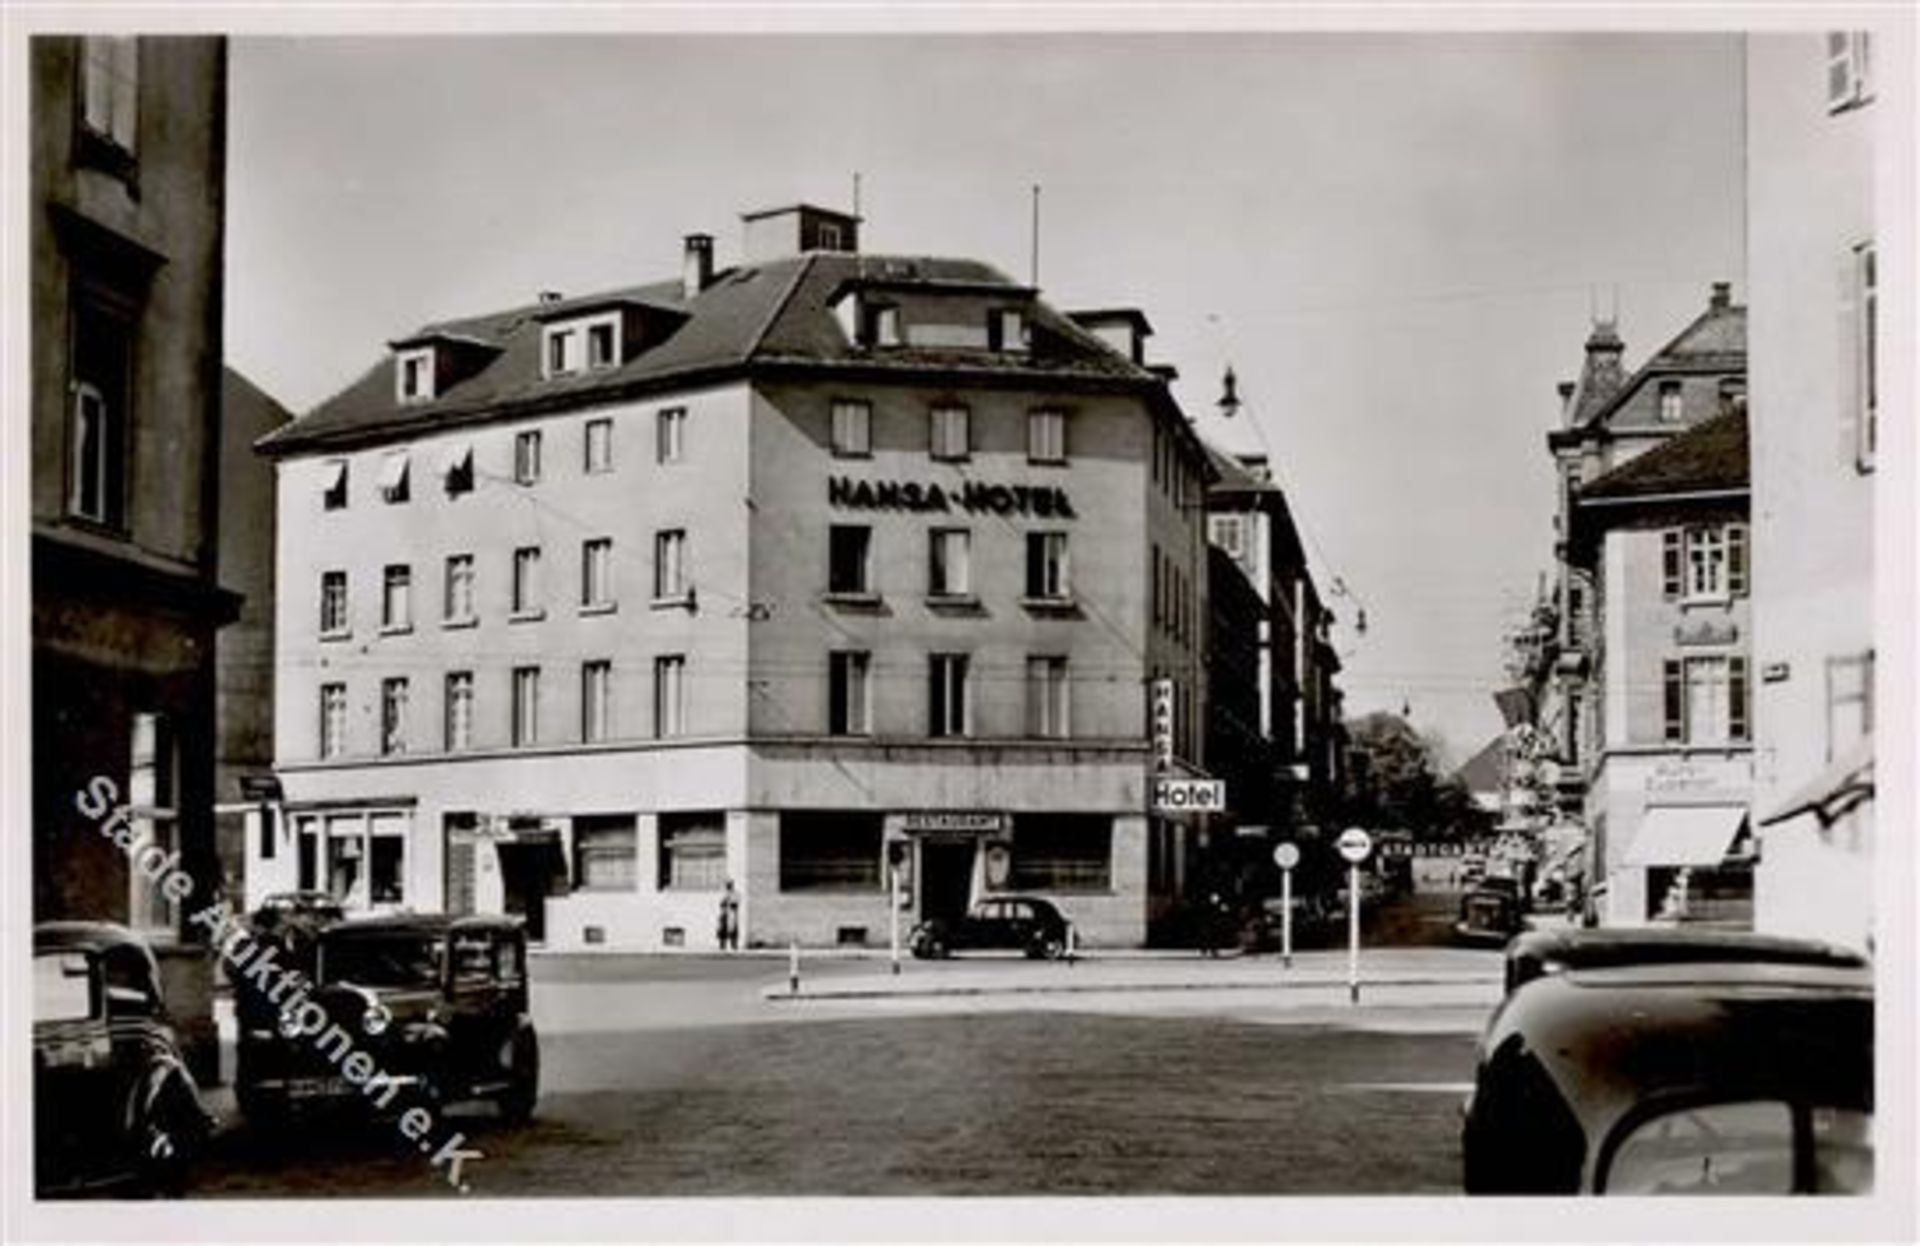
{"type": "Point", "coordinates": [1722, 296]}
{"type": "Point", "coordinates": [551, 296]}
{"type": "Point", "coordinates": [696, 273]}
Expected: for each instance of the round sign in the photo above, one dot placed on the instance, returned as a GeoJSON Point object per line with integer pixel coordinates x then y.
{"type": "Point", "coordinates": [1286, 856]}
{"type": "Point", "coordinates": [1354, 844]}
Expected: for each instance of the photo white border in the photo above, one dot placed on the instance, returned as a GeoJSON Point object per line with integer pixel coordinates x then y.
{"type": "Point", "coordinates": [1888, 1215]}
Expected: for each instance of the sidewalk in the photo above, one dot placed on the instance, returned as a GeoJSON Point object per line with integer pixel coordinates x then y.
{"type": "Point", "coordinates": [1317, 970]}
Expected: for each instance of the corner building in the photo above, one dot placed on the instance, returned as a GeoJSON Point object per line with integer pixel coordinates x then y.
{"type": "Point", "coordinates": [774, 574]}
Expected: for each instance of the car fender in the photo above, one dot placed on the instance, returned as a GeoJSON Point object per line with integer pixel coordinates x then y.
{"type": "Point", "coordinates": [167, 1079]}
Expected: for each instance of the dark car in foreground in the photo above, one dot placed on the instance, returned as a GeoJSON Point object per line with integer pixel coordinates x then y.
{"type": "Point", "coordinates": [1537, 953]}
{"type": "Point", "coordinates": [1009, 923]}
{"type": "Point", "coordinates": [114, 1103]}
{"type": "Point", "coordinates": [438, 1004]}
{"type": "Point", "coordinates": [1712, 1077]}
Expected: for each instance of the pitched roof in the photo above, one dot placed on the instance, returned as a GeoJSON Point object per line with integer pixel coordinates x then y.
{"type": "Point", "coordinates": [1710, 456]}
{"type": "Point", "coordinates": [1716, 339]}
{"type": "Point", "coordinates": [774, 314]}
{"type": "Point", "coordinates": [1234, 476]}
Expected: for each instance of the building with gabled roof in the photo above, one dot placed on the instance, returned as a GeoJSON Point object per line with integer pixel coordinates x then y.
{"type": "Point", "coordinates": [797, 573]}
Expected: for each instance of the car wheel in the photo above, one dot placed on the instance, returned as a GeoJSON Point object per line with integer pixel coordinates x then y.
{"type": "Point", "coordinates": [516, 1104]}
{"type": "Point", "coordinates": [1051, 947]}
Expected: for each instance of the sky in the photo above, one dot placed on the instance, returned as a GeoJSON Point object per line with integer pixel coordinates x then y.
{"type": "Point", "coordinates": [1398, 242]}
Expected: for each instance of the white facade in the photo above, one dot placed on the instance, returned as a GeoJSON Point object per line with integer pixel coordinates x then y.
{"type": "Point", "coordinates": [1811, 222]}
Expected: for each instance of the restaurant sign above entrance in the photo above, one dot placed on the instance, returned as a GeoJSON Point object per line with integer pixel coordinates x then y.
{"type": "Point", "coordinates": [974, 497]}
{"type": "Point", "coordinates": [953, 822]}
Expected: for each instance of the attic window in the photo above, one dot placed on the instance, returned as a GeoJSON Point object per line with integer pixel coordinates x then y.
{"type": "Point", "coordinates": [883, 325]}
{"type": "Point", "coordinates": [1007, 329]}
{"type": "Point", "coordinates": [393, 477]}
{"type": "Point", "coordinates": [589, 343]}
{"type": "Point", "coordinates": [414, 379]}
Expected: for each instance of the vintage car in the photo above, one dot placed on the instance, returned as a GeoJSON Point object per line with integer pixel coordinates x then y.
{"type": "Point", "coordinates": [1490, 913]}
{"type": "Point", "coordinates": [439, 1004]}
{"type": "Point", "coordinates": [1539, 952]}
{"type": "Point", "coordinates": [1713, 1077]}
{"type": "Point", "coordinates": [1014, 923]}
{"type": "Point", "coordinates": [114, 1102]}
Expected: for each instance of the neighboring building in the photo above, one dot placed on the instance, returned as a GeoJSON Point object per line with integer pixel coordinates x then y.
{"type": "Point", "coordinates": [1664, 540]}
{"type": "Point", "coordinates": [775, 574]}
{"type": "Point", "coordinates": [1817, 390]}
{"type": "Point", "coordinates": [243, 663]}
{"type": "Point", "coordinates": [127, 226]}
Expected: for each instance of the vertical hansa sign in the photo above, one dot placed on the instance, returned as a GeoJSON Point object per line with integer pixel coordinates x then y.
{"type": "Point", "coordinates": [1160, 714]}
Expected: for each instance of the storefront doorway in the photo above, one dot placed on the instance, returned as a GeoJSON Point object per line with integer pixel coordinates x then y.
{"type": "Point", "coordinates": [946, 877]}
{"type": "Point", "coordinates": [530, 865]}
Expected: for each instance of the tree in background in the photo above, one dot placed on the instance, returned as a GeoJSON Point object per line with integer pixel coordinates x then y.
{"type": "Point", "coordinates": [1394, 782]}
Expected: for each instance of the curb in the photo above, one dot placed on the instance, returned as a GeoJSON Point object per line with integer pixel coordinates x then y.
{"type": "Point", "coordinates": [775, 994]}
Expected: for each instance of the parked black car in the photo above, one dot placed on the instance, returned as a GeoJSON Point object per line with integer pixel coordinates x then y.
{"type": "Point", "coordinates": [438, 1003]}
{"type": "Point", "coordinates": [1536, 953]}
{"type": "Point", "coordinates": [1016, 923]}
{"type": "Point", "coordinates": [114, 1103]}
{"type": "Point", "coordinates": [1490, 913]}
{"type": "Point", "coordinates": [1716, 1077]}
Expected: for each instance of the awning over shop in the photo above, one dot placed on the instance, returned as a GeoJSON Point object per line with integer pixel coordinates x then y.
{"type": "Point", "coordinates": [1834, 791]}
{"type": "Point", "coordinates": [1686, 835]}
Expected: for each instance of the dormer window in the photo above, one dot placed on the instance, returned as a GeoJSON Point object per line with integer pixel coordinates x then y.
{"type": "Point", "coordinates": [1007, 329]}
{"type": "Point", "coordinates": [883, 325]}
{"type": "Point", "coordinates": [415, 377]}
{"type": "Point", "coordinates": [590, 343]}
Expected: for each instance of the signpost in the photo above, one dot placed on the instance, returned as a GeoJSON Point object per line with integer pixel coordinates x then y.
{"type": "Point", "coordinates": [1286, 856]}
{"type": "Point", "coordinates": [1354, 844]}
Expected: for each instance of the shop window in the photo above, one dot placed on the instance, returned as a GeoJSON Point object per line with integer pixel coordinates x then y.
{"type": "Point", "coordinates": [693, 851]}
{"type": "Point", "coordinates": [830, 851]}
{"type": "Point", "coordinates": [604, 853]}
{"type": "Point", "coordinates": [1062, 853]}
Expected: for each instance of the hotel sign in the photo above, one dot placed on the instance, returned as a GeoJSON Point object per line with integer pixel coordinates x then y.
{"type": "Point", "coordinates": [1160, 714]}
{"type": "Point", "coordinates": [974, 497]}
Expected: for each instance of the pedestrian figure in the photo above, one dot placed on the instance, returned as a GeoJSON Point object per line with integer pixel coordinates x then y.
{"type": "Point", "coordinates": [729, 919]}
{"type": "Point", "coordinates": [1210, 925]}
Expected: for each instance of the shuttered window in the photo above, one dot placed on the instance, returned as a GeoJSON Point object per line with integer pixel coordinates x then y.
{"type": "Point", "coordinates": [1670, 565]}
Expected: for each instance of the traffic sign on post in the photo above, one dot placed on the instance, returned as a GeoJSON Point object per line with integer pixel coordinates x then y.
{"type": "Point", "coordinates": [1286, 855]}
{"type": "Point", "coordinates": [1354, 844]}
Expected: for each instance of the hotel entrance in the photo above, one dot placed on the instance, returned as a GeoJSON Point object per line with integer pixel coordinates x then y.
{"type": "Point", "coordinates": [946, 878]}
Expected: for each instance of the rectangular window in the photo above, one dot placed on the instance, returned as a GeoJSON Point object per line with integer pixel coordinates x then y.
{"type": "Point", "coordinates": [386, 857]}
{"type": "Point", "coordinates": [333, 719]}
{"type": "Point", "coordinates": [1007, 329]}
{"type": "Point", "coordinates": [883, 324]}
{"type": "Point", "coordinates": [849, 553]}
{"type": "Point", "coordinates": [526, 706]}
{"type": "Point", "coordinates": [110, 88]}
{"type": "Point", "coordinates": [394, 477]}
{"type": "Point", "coordinates": [1849, 702]}
{"type": "Point", "coordinates": [1047, 436]}
{"type": "Point", "coordinates": [852, 429]}
{"type": "Point", "coordinates": [102, 397]}
{"type": "Point", "coordinates": [669, 565]}
{"type": "Point", "coordinates": [1672, 564]}
{"type": "Point", "coordinates": [847, 692]}
{"type": "Point", "coordinates": [950, 562]}
{"type": "Point", "coordinates": [831, 850]}
{"type": "Point", "coordinates": [670, 435]}
{"type": "Point", "coordinates": [1849, 69]}
{"type": "Point", "coordinates": [1159, 590]}
{"type": "Point", "coordinates": [152, 791]}
{"type": "Point", "coordinates": [1062, 852]}
{"type": "Point", "coordinates": [1739, 700]}
{"type": "Point", "coordinates": [333, 603]}
{"type": "Point", "coordinates": [603, 344]}
{"type": "Point", "coordinates": [596, 701]}
{"type": "Point", "coordinates": [947, 694]}
{"type": "Point", "coordinates": [459, 710]}
{"type": "Point", "coordinates": [669, 695]}
{"type": "Point", "coordinates": [1707, 700]}
{"type": "Point", "coordinates": [1738, 576]}
{"type": "Point", "coordinates": [333, 485]}
{"type": "Point", "coordinates": [948, 433]}
{"type": "Point", "coordinates": [562, 351]}
{"type": "Point", "coordinates": [458, 606]}
{"type": "Point", "coordinates": [457, 470]}
{"type": "Point", "coordinates": [605, 852]}
{"type": "Point", "coordinates": [527, 597]}
{"type": "Point", "coordinates": [393, 716]}
{"type": "Point", "coordinates": [416, 375]}
{"type": "Point", "coordinates": [599, 446]}
{"type": "Point", "coordinates": [1706, 563]}
{"type": "Point", "coordinates": [693, 851]}
{"type": "Point", "coordinates": [1047, 566]}
{"type": "Point", "coordinates": [1228, 534]}
{"type": "Point", "coordinates": [1047, 697]}
{"type": "Point", "coordinates": [596, 572]}
{"type": "Point", "coordinates": [396, 599]}
{"type": "Point", "coordinates": [1673, 701]}
{"type": "Point", "coordinates": [526, 456]}
{"type": "Point", "coordinates": [1865, 363]}
{"type": "Point", "coordinates": [1670, 409]}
